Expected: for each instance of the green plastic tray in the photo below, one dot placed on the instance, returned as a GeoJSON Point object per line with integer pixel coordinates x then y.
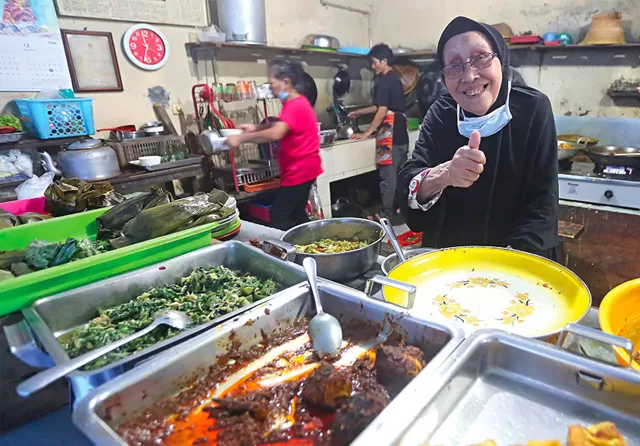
{"type": "Point", "coordinates": [21, 291]}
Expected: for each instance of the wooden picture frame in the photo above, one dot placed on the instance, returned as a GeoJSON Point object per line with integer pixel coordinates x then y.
{"type": "Point", "coordinates": [92, 60]}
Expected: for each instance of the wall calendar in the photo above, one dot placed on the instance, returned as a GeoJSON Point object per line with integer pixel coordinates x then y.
{"type": "Point", "coordinates": [31, 50]}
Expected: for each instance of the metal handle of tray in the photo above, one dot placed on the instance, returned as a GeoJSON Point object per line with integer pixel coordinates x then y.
{"type": "Point", "coordinates": [46, 377]}
{"type": "Point", "coordinates": [24, 347]}
{"type": "Point", "coordinates": [385, 281]}
{"type": "Point", "coordinates": [596, 335]}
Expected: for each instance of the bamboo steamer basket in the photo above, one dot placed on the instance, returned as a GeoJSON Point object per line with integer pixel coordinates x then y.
{"type": "Point", "coordinates": [605, 29]}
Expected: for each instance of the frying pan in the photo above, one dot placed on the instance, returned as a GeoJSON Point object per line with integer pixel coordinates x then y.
{"type": "Point", "coordinates": [486, 287]}
{"type": "Point", "coordinates": [614, 156]}
{"type": "Point", "coordinates": [307, 88]}
{"type": "Point", "coordinates": [341, 83]}
{"type": "Point", "coordinates": [430, 88]}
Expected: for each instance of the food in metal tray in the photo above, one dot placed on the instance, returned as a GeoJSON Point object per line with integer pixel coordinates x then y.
{"type": "Point", "coordinates": [331, 246]}
{"type": "Point", "coordinates": [602, 434]}
{"type": "Point", "coordinates": [204, 295]}
{"type": "Point", "coordinates": [279, 392]}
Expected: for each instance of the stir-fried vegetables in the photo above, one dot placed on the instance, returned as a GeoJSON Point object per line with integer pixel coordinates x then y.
{"type": "Point", "coordinates": [331, 246]}
{"type": "Point", "coordinates": [204, 295]}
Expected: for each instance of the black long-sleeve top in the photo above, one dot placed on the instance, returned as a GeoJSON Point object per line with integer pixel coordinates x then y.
{"type": "Point", "coordinates": [515, 200]}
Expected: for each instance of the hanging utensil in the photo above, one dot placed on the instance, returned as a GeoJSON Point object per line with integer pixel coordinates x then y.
{"type": "Point", "coordinates": [388, 229]}
{"type": "Point", "coordinates": [341, 83]}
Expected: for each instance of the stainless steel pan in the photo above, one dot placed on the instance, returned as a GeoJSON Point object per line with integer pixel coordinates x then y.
{"type": "Point", "coordinates": [614, 156]}
{"type": "Point", "coordinates": [164, 376]}
{"type": "Point", "coordinates": [511, 390]}
{"type": "Point", "coordinates": [567, 150]}
{"type": "Point", "coordinates": [51, 317]}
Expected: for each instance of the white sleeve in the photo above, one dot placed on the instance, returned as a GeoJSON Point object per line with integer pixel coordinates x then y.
{"type": "Point", "coordinates": [414, 186]}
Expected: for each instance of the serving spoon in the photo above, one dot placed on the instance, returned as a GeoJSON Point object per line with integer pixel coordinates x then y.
{"type": "Point", "coordinates": [324, 330]}
{"type": "Point", "coordinates": [172, 318]}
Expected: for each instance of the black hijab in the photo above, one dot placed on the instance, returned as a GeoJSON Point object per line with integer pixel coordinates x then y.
{"type": "Point", "coordinates": [515, 200]}
{"type": "Point", "coordinates": [461, 25]}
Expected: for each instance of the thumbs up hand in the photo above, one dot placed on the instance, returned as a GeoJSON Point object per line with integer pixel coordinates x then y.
{"type": "Point", "coordinates": [467, 164]}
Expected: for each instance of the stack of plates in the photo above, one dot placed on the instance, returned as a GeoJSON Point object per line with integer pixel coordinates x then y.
{"type": "Point", "coordinates": [227, 227]}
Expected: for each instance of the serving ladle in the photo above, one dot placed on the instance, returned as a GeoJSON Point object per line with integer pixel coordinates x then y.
{"type": "Point", "coordinates": [172, 318]}
{"type": "Point", "coordinates": [324, 330]}
{"type": "Point", "coordinates": [388, 229]}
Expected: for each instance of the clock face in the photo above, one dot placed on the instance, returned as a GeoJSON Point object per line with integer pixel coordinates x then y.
{"type": "Point", "coordinates": [146, 47]}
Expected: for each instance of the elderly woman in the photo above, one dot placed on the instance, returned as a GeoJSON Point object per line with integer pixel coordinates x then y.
{"type": "Point", "coordinates": [484, 170]}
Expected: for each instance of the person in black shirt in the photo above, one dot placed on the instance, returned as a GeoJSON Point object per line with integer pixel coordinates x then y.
{"type": "Point", "coordinates": [485, 168]}
{"type": "Point", "coordinates": [389, 125]}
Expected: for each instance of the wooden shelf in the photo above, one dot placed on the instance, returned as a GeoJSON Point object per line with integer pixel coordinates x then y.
{"type": "Point", "coordinates": [260, 50]}
{"type": "Point", "coordinates": [428, 53]}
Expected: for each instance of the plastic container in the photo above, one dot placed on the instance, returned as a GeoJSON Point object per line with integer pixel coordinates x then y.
{"type": "Point", "coordinates": [260, 211]}
{"type": "Point", "coordinates": [19, 207]}
{"type": "Point", "coordinates": [354, 50]}
{"type": "Point", "coordinates": [57, 118]}
{"type": "Point", "coordinates": [413, 123]}
{"type": "Point", "coordinates": [20, 291]}
{"type": "Point", "coordinates": [273, 183]}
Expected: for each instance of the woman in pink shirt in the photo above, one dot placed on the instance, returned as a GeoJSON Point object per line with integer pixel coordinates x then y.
{"type": "Point", "coordinates": [297, 132]}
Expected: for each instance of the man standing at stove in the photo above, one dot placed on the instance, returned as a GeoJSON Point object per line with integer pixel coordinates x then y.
{"type": "Point", "coordinates": [390, 127]}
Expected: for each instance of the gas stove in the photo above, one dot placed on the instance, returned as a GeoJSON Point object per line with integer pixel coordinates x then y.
{"type": "Point", "coordinates": [606, 185]}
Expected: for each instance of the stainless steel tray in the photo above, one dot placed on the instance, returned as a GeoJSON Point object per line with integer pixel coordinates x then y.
{"type": "Point", "coordinates": [166, 374]}
{"type": "Point", "coordinates": [53, 316]}
{"type": "Point", "coordinates": [168, 165]}
{"type": "Point", "coordinates": [511, 390]}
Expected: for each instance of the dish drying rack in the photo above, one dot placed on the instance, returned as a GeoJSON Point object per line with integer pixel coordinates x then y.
{"type": "Point", "coordinates": [235, 168]}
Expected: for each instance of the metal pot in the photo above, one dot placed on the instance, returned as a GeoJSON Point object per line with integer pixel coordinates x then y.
{"type": "Point", "coordinates": [345, 265]}
{"type": "Point", "coordinates": [321, 41]}
{"type": "Point", "coordinates": [243, 21]}
{"type": "Point", "coordinates": [346, 130]}
{"type": "Point", "coordinates": [212, 142]}
{"type": "Point", "coordinates": [327, 137]}
{"type": "Point", "coordinates": [344, 208]}
{"type": "Point", "coordinates": [391, 261]}
{"type": "Point", "coordinates": [88, 160]}
{"type": "Point", "coordinates": [567, 150]}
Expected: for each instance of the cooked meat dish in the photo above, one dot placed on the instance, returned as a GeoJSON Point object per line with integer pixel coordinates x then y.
{"type": "Point", "coordinates": [331, 246]}
{"type": "Point", "coordinates": [279, 392]}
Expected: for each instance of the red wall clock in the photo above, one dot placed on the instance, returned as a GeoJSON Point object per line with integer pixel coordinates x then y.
{"type": "Point", "coordinates": [146, 47]}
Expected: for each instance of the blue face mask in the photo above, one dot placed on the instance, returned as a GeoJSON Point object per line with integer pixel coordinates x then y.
{"type": "Point", "coordinates": [283, 95]}
{"type": "Point", "coordinates": [487, 125]}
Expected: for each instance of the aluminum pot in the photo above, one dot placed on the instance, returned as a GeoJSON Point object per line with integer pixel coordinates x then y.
{"type": "Point", "coordinates": [327, 137]}
{"type": "Point", "coordinates": [321, 41]}
{"type": "Point", "coordinates": [243, 21]}
{"type": "Point", "coordinates": [343, 266]}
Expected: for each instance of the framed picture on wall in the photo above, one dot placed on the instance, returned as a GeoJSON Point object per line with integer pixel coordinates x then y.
{"type": "Point", "coordinates": [92, 61]}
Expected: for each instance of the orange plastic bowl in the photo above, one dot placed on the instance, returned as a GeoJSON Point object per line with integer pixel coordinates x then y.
{"type": "Point", "coordinates": [619, 306]}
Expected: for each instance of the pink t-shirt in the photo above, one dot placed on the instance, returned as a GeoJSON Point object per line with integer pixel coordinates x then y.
{"type": "Point", "coordinates": [299, 153]}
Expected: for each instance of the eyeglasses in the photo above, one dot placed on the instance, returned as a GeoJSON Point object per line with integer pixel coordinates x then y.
{"type": "Point", "coordinates": [478, 62]}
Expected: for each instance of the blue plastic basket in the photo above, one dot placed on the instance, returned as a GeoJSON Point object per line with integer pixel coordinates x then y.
{"type": "Point", "coordinates": [57, 118]}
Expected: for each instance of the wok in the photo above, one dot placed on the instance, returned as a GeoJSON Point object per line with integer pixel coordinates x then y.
{"type": "Point", "coordinates": [614, 156]}
{"type": "Point", "coordinates": [344, 208]}
{"type": "Point", "coordinates": [341, 83]}
{"type": "Point", "coordinates": [308, 88]}
{"type": "Point", "coordinates": [485, 287]}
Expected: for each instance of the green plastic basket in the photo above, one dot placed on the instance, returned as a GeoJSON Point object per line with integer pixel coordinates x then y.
{"type": "Point", "coordinates": [21, 291]}
{"type": "Point", "coordinates": [413, 123]}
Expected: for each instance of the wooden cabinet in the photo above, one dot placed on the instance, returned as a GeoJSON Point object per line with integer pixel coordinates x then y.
{"type": "Point", "coordinates": [606, 252]}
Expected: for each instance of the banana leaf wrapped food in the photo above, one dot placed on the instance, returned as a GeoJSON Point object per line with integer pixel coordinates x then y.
{"type": "Point", "coordinates": [32, 217]}
{"type": "Point", "coordinates": [172, 217]}
{"type": "Point", "coordinates": [72, 195]}
{"type": "Point", "coordinates": [8, 220]}
{"type": "Point", "coordinates": [116, 217]}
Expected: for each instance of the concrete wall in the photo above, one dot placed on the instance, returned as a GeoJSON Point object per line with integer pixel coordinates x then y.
{"type": "Point", "coordinates": [287, 23]}
{"type": "Point", "coordinates": [576, 85]}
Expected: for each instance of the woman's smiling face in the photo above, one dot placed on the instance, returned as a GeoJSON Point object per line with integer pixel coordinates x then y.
{"type": "Point", "coordinates": [477, 89]}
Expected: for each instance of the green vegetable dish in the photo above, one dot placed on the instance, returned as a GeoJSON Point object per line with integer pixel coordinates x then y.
{"type": "Point", "coordinates": [205, 295]}
{"type": "Point", "coordinates": [331, 246]}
